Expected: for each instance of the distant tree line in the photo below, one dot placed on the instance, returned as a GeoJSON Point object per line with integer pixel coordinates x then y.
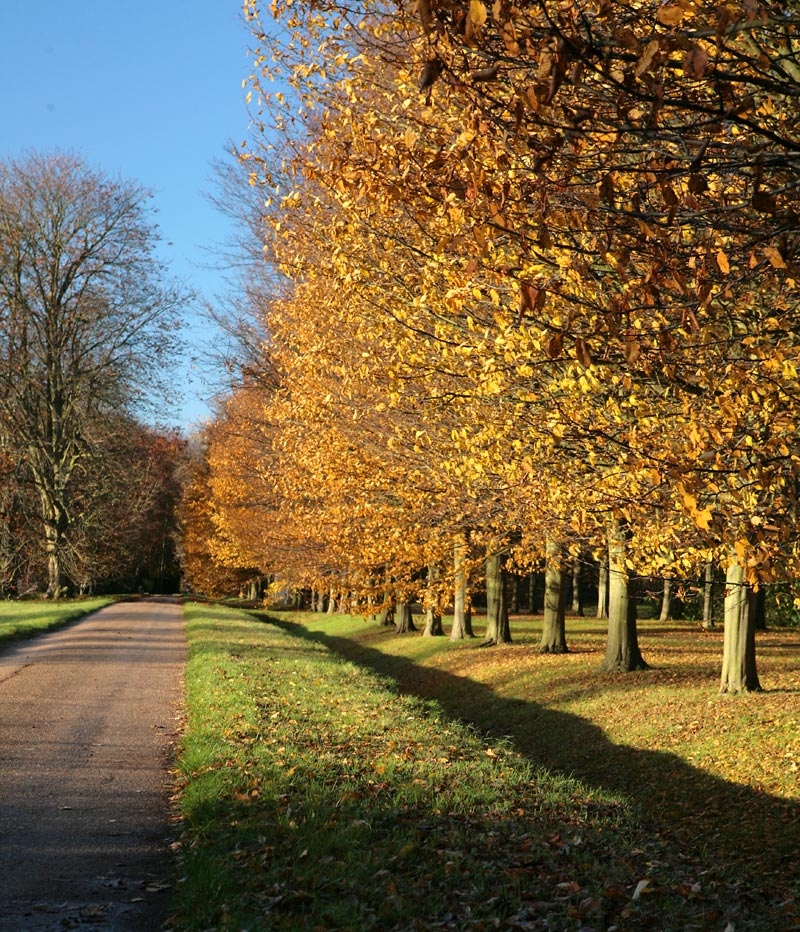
{"type": "Point", "coordinates": [87, 491]}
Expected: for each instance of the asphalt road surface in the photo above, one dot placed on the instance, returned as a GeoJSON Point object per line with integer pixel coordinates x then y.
{"type": "Point", "coordinates": [88, 719]}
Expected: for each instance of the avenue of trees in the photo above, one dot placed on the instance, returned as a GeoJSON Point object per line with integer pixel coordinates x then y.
{"type": "Point", "coordinates": [532, 296]}
{"type": "Point", "coordinates": [87, 491]}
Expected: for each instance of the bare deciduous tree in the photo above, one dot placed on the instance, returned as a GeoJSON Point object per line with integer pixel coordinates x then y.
{"type": "Point", "coordinates": [85, 320]}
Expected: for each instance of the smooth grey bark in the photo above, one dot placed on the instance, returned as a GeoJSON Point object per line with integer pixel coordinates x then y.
{"type": "Point", "coordinates": [554, 636]}
{"type": "Point", "coordinates": [498, 630]}
{"type": "Point", "coordinates": [433, 614]}
{"type": "Point", "coordinates": [708, 596]}
{"type": "Point", "coordinates": [403, 618]}
{"type": "Point", "coordinates": [739, 672]}
{"type": "Point", "coordinates": [577, 605]}
{"type": "Point", "coordinates": [462, 613]}
{"type": "Point", "coordinates": [666, 601]}
{"type": "Point", "coordinates": [602, 589]}
{"type": "Point", "coordinates": [514, 594]}
{"type": "Point", "coordinates": [433, 623]}
{"type": "Point", "coordinates": [622, 645]}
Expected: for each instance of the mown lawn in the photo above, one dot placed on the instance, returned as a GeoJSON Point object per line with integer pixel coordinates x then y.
{"type": "Point", "coordinates": [25, 619]}
{"type": "Point", "coordinates": [340, 777]}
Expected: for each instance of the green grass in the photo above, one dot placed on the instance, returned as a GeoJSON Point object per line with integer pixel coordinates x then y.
{"type": "Point", "coordinates": [26, 619]}
{"type": "Point", "coordinates": [337, 777]}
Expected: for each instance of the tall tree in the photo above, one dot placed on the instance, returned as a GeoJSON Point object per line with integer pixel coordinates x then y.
{"type": "Point", "coordinates": [85, 321]}
{"type": "Point", "coordinates": [554, 634]}
{"type": "Point", "coordinates": [498, 630]}
{"type": "Point", "coordinates": [739, 673]}
{"type": "Point", "coordinates": [622, 647]}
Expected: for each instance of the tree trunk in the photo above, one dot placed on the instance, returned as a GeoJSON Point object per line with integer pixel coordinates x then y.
{"type": "Point", "coordinates": [386, 615]}
{"type": "Point", "coordinates": [708, 597]}
{"type": "Point", "coordinates": [554, 636]}
{"type": "Point", "coordinates": [514, 594]}
{"type": "Point", "coordinates": [622, 646]}
{"type": "Point", "coordinates": [666, 601]}
{"type": "Point", "coordinates": [433, 614]}
{"type": "Point", "coordinates": [531, 593]}
{"type": "Point", "coordinates": [602, 589]}
{"type": "Point", "coordinates": [433, 623]}
{"type": "Point", "coordinates": [498, 630]}
{"type": "Point", "coordinates": [577, 605]}
{"type": "Point", "coordinates": [739, 643]}
{"type": "Point", "coordinates": [462, 613]}
{"type": "Point", "coordinates": [403, 619]}
{"type": "Point", "coordinates": [54, 528]}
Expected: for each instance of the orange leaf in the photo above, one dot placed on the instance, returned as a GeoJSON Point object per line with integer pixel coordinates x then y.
{"type": "Point", "coordinates": [670, 15]}
{"type": "Point", "coordinates": [555, 345]}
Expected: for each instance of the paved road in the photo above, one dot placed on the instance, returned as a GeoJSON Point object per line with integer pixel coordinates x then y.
{"type": "Point", "coordinates": [88, 717]}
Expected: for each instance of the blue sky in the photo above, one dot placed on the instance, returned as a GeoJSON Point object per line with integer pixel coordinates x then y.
{"type": "Point", "coordinates": [150, 91]}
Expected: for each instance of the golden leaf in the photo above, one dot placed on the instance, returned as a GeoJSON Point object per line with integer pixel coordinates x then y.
{"type": "Point", "coordinates": [670, 15]}
{"type": "Point", "coordinates": [475, 19]}
{"type": "Point", "coordinates": [702, 518]}
{"type": "Point", "coordinates": [775, 258]}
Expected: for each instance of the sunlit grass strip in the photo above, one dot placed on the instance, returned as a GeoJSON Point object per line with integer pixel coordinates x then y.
{"type": "Point", "coordinates": [25, 619]}
{"type": "Point", "coordinates": [316, 797]}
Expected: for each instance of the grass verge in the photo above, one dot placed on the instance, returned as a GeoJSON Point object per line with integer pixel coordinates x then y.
{"type": "Point", "coordinates": [25, 619]}
{"type": "Point", "coordinates": [336, 777]}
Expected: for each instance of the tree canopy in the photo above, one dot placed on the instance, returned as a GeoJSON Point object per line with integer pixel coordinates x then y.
{"type": "Point", "coordinates": [539, 283]}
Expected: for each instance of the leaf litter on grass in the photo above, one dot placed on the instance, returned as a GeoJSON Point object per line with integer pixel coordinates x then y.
{"type": "Point", "coordinates": [352, 804]}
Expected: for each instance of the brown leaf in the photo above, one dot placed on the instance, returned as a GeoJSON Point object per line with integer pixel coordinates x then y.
{"type": "Point", "coordinates": [425, 14]}
{"type": "Point", "coordinates": [607, 190]}
{"type": "Point", "coordinates": [695, 62]}
{"type": "Point", "coordinates": [764, 203]}
{"type": "Point", "coordinates": [582, 352]}
{"type": "Point", "coordinates": [698, 184]}
{"type": "Point", "coordinates": [646, 58]}
{"type": "Point", "coordinates": [485, 74]}
{"type": "Point", "coordinates": [529, 296]}
{"type": "Point", "coordinates": [633, 350]}
{"type": "Point", "coordinates": [430, 73]}
{"type": "Point", "coordinates": [555, 345]}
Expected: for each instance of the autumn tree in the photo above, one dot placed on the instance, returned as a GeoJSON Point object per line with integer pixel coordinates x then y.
{"type": "Point", "coordinates": [85, 321]}
{"type": "Point", "coordinates": [605, 202]}
{"type": "Point", "coordinates": [125, 533]}
{"type": "Point", "coordinates": [202, 571]}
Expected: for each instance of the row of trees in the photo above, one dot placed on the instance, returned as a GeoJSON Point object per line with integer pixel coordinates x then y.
{"type": "Point", "coordinates": [87, 322]}
{"type": "Point", "coordinates": [534, 295]}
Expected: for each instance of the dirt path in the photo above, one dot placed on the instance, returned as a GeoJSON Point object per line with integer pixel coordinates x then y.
{"type": "Point", "coordinates": [88, 716]}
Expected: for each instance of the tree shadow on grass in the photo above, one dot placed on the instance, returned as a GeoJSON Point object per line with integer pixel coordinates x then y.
{"type": "Point", "coordinates": [735, 833]}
